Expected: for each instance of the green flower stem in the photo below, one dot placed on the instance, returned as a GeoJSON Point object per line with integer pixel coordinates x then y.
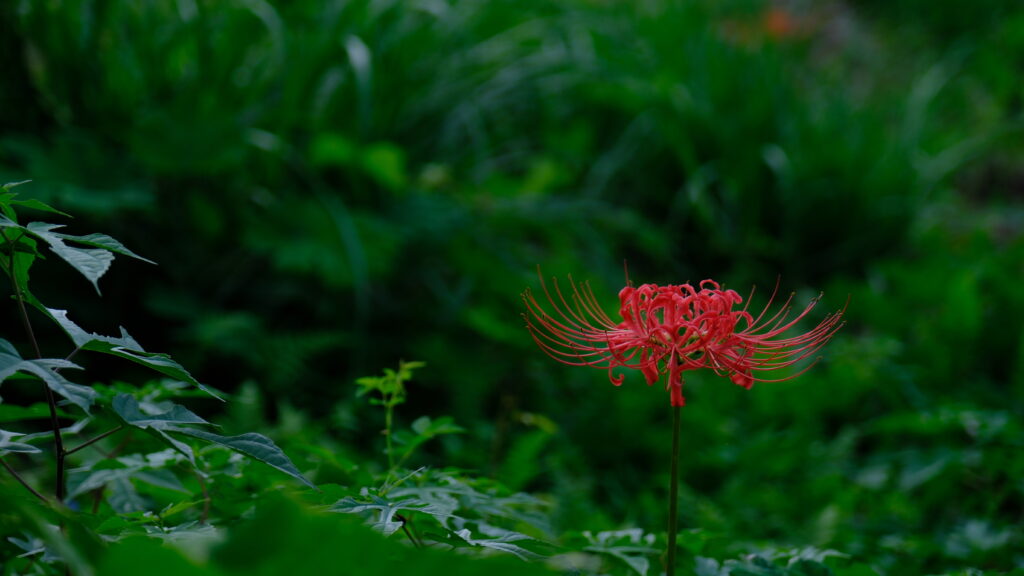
{"type": "Point", "coordinates": [673, 498]}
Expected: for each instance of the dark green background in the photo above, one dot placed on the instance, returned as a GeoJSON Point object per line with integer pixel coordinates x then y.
{"type": "Point", "coordinates": [330, 187]}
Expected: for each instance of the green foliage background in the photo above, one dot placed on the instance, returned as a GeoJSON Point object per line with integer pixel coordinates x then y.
{"type": "Point", "coordinates": [330, 187]}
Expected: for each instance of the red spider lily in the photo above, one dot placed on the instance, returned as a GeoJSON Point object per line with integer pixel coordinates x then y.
{"type": "Point", "coordinates": [671, 329]}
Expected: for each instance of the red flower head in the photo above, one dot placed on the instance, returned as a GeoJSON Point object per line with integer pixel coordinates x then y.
{"type": "Point", "coordinates": [671, 329]}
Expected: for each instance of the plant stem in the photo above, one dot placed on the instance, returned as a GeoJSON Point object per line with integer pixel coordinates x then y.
{"type": "Point", "coordinates": [94, 440]}
{"type": "Point", "coordinates": [206, 498]}
{"type": "Point", "coordinates": [51, 401]}
{"type": "Point", "coordinates": [673, 498]}
{"type": "Point", "coordinates": [405, 528]}
{"type": "Point", "coordinates": [387, 438]}
{"type": "Point", "coordinates": [22, 480]}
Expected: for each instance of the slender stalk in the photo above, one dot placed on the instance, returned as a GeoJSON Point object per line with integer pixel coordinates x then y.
{"type": "Point", "coordinates": [405, 528]}
{"type": "Point", "coordinates": [673, 498]}
{"type": "Point", "coordinates": [206, 498]}
{"type": "Point", "coordinates": [387, 437]}
{"type": "Point", "coordinates": [51, 400]}
{"type": "Point", "coordinates": [22, 480]}
{"type": "Point", "coordinates": [94, 440]}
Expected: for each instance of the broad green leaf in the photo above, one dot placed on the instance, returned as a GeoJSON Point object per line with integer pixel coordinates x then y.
{"type": "Point", "coordinates": [442, 487]}
{"type": "Point", "coordinates": [8, 445]}
{"type": "Point", "coordinates": [117, 475]}
{"type": "Point", "coordinates": [37, 205]}
{"type": "Point", "coordinates": [385, 510]}
{"type": "Point", "coordinates": [8, 199]}
{"type": "Point", "coordinates": [106, 243]}
{"type": "Point", "coordinates": [176, 444]}
{"type": "Point", "coordinates": [46, 370]}
{"type": "Point", "coordinates": [285, 538]}
{"type": "Point", "coordinates": [125, 347]}
{"type": "Point", "coordinates": [124, 498]}
{"type": "Point", "coordinates": [256, 446]}
{"type": "Point", "coordinates": [127, 407]}
{"type": "Point", "coordinates": [6, 221]}
{"type": "Point", "coordinates": [92, 263]}
{"type": "Point", "coordinates": [499, 540]}
{"type": "Point", "coordinates": [631, 546]}
{"type": "Point", "coordinates": [425, 429]}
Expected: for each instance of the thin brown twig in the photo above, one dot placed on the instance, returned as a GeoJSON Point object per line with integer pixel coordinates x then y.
{"type": "Point", "coordinates": [405, 529]}
{"type": "Point", "coordinates": [51, 401]}
{"type": "Point", "coordinates": [22, 481]}
{"type": "Point", "coordinates": [94, 440]}
{"type": "Point", "coordinates": [206, 497]}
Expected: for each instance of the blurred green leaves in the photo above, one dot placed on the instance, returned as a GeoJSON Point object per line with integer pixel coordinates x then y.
{"type": "Point", "coordinates": [178, 420]}
{"type": "Point", "coordinates": [331, 186]}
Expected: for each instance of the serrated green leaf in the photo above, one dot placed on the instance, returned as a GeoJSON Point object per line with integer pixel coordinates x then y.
{"type": "Point", "coordinates": [125, 347]}
{"type": "Point", "coordinates": [127, 407]}
{"type": "Point", "coordinates": [106, 243]}
{"type": "Point", "coordinates": [45, 369]}
{"type": "Point", "coordinates": [124, 498]}
{"type": "Point", "coordinates": [92, 263]}
{"type": "Point", "coordinates": [497, 539]}
{"type": "Point", "coordinates": [630, 546]}
{"type": "Point", "coordinates": [256, 446]}
{"type": "Point", "coordinates": [7, 221]}
{"type": "Point", "coordinates": [8, 445]}
{"type": "Point", "coordinates": [386, 510]}
{"type": "Point", "coordinates": [37, 205]}
{"type": "Point", "coordinates": [519, 508]}
{"type": "Point", "coordinates": [161, 478]}
{"type": "Point", "coordinates": [286, 538]}
{"type": "Point", "coordinates": [10, 185]}
{"type": "Point", "coordinates": [176, 444]}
